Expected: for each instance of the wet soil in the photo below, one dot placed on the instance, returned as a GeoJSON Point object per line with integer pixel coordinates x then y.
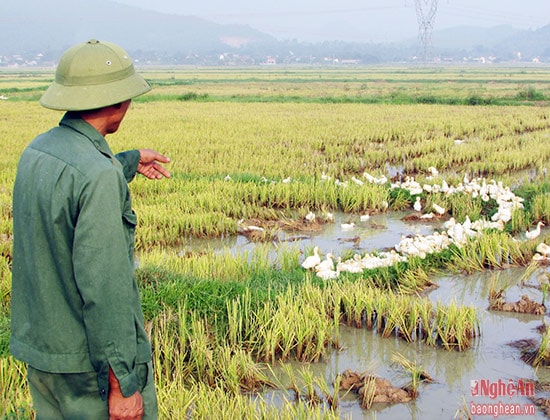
{"type": "Point", "coordinates": [523, 306]}
{"type": "Point", "coordinates": [374, 389]}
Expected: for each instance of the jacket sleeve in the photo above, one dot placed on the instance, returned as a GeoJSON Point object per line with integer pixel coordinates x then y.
{"type": "Point", "coordinates": [129, 161]}
{"type": "Point", "coordinates": [103, 269]}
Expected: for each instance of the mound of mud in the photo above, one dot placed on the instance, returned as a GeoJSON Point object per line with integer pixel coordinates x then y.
{"type": "Point", "coordinates": [383, 391]}
{"type": "Point", "coordinates": [525, 306]}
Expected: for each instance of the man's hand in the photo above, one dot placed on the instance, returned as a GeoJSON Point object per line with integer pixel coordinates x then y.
{"type": "Point", "coordinates": [149, 166]}
{"type": "Point", "coordinates": [120, 407]}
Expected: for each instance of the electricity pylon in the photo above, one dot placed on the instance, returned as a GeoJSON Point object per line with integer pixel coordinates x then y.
{"type": "Point", "coordinates": [425, 15]}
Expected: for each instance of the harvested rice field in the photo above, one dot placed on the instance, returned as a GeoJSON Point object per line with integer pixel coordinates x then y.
{"type": "Point", "coordinates": [351, 242]}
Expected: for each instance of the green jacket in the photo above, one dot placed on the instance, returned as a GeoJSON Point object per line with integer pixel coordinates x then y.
{"type": "Point", "coordinates": [75, 303]}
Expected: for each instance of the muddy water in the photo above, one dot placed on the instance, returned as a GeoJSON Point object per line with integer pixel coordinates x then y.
{"type": "Point", "coordinates": [490, 359]}
{"type": "Point", "coordinates": [378, 232]}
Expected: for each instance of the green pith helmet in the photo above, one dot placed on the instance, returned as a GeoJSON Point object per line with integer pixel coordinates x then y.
{"type": "Point", "coordinates": [93, 75]}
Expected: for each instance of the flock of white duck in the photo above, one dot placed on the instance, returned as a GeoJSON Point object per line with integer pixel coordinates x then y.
{"type": "Point", "coordinates": [422, 245]}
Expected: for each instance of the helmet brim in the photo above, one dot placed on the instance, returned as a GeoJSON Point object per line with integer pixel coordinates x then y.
{"type": "Point", "coordinates": [81, 98]}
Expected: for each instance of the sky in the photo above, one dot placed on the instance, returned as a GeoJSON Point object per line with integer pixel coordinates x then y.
{"type": "Point", "coordinates": [355, 20]}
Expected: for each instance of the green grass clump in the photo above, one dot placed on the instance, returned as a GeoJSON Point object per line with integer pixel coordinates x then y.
{"type": "Point", "coordinates": [491, 251]}
{"type": "Point", "coordinates": [15, 399]}
{"type": "Point", "coordinates": [542, 356]}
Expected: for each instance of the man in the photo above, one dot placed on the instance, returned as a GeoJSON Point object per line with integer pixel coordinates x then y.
{"type": "Point", "coordinates": [76, 316]}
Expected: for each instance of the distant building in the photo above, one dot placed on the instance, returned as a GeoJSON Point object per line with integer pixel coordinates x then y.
{"type": "Point", "coordinates": [350, 61]}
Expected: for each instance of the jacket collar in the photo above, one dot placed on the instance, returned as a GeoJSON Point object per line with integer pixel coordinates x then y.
{"type": "Point", "coordinates": [73, 121]}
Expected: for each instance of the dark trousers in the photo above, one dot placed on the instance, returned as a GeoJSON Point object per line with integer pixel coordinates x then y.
{"type": "Point", "coordinates": [76, 395]}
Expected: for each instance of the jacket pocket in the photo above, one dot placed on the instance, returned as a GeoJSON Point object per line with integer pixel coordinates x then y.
{"type": "Point", "coordinates": [130, 221]}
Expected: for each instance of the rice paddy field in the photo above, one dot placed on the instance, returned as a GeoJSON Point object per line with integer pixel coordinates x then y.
{"type": "Point", "coordinates": [422, 188]}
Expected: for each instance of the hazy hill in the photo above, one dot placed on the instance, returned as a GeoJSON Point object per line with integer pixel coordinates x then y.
{"type": "Point", "coordinates": [530, 43]}
{"type": "Point", "coordinates": [53, 25]}
{"type": "Point", "coordinates": [467, 37]}
{"type": "Point", "coordinates": [502, 40]}
{"type": "Point", "coordinates": [48, 27]}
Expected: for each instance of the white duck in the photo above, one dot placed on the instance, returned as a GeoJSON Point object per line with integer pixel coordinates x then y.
{"type": "Point", "coordinates": [326, 264]}
{"type": "Point", "coordinates": [543, 249]}
{"type": "Point", "coordinates": [347, 226]}
{"type": "Point", "coordinates": [328, 274]}
{"type": "Point", "coordinates": [364, 217]}
{"type": "Point", "coordinates": [433, 171]}
{"type": "Point", "coordinates": [534, 233]}
{"type": "Point", "coordinates": [313, 260]}
{"type": "Point", "coordinates": [353, 265]}
{"type": "Point", "coordinates": [438, 209]}
{"type": "Point", "coordinates": [417, 205]}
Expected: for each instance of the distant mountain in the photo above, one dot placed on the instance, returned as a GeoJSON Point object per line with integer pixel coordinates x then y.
{"type": "Point", "coordinates": [468, 37]}
{"type": "Point", "coordinates": [54, 25]}
{"type": "Point", "coordinates": [529, 43]}
{"type": "Point", "coordinates": [504, 41]}
{"type": "Point", "coordinates": [45, 28]}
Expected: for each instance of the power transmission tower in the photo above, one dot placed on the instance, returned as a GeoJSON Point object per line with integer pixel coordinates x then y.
{"type": "Point", "coordinates": [425, 15]}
